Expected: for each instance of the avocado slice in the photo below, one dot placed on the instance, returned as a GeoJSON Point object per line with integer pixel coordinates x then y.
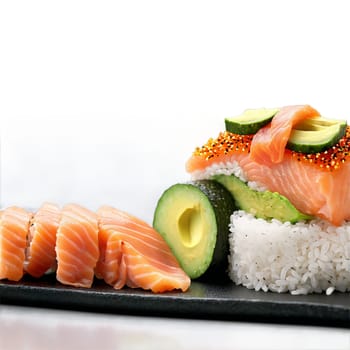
{"type": "Point", "coordinates": [316, 135]}
{"type": "Point", "coordinates": [250, 121]}
{"type": "Point", "coordinates": [265, 204]}
{"type": "Point", "coordinates": [194, 218]}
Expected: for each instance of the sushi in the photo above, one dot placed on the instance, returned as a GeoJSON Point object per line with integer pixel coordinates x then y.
{"type": "Point", "coordinates": [287, 172]}
{"type": "Point", "coordinates": [132, 253]}
{"type": "Point", "coordinates": [304, 256]}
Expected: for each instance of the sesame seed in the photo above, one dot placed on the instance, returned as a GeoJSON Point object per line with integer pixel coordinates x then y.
{"type": "Point", "coordinates": [228, 143]}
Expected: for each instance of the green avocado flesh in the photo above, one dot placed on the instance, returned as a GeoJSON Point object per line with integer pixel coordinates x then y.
{"type": "Point", "coordinates": [266, 205]}
{"type": "Point", "coordinates": [250, 121]}
{"type": "Point", "coordinates": [194, 218]}
{"type": "Point", "coordinates": [316, 135]}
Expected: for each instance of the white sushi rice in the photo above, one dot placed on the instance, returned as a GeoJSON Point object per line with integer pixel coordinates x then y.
{"type": "Point", "coordinates": [225, 168]}
{"type": "Point", "coordinates": [303, 258]}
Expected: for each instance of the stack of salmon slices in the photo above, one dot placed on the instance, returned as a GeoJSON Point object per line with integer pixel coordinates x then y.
{"type": "Point", "coordinates": [79, 244]}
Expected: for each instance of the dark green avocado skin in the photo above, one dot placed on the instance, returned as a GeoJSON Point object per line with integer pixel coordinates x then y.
{"type": "Point", "coordinates": [223, 205]}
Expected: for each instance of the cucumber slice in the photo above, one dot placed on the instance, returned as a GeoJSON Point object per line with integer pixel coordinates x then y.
{"type": "Point", "coordinates": [194, 218]}
{"type": "Point", "coordinates": [316, 135]}
{"type": "Point", "coordinates": [266, 205]}
{"type": "Point", "coordinates": [250, 121]}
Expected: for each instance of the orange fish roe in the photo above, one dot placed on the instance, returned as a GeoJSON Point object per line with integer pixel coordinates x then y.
{"type": "Point", "coordinates": [225, 143]}
{"type": "Point", "coordinates": [332, 158]}
{"type": "Point", "coordinates": [228, 143]}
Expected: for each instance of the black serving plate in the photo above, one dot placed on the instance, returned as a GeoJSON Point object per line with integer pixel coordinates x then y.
{"type": "Point", "coordinates": [203, 301]}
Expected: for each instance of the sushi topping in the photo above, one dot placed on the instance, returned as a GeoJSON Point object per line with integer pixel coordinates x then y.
{"type": "Point", "coordinates": [250, 121]}
{"type": "Point", "coordinates": [228, 143]}
{"type": "Point", "coordinates": [316, 135]}
{"type": "Point", "coordinates": [269, 143]}
{"type": "Point", "coordinates": [330, 159]}
{"type": "Point", "coordinates": [315, 183]}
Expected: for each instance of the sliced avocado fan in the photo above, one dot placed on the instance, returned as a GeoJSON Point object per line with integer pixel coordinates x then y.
{"type": "Point", "coordinates": [262, 204]}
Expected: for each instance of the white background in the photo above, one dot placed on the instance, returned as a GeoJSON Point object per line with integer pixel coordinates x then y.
{"type": "Point", "coordinates": [102, 102]}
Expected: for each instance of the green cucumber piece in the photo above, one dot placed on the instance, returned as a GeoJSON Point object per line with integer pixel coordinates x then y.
{"type": "Point", "coordinates": [262, 204]}
{"type": "Point", "coordinates": [194, 218]}
{"type": "Point", "coordinates": [316, 135]}
{"type": "Point", "coordinates": [250, 121]}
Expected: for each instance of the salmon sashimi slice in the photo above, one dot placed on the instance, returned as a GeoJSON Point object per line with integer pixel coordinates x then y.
{"type": "Point", "coordinates": [269, 143]}
{"type": "Point", "coordinates": [14, 226]}
{"type": "Point", "coordinates": [132, 253]}
{"type": "Point", "coordinates": [77, 246]}
{"type": "Point", "coordinates": [316, 184]}
{"type": "Point", "coordinates": [41, 254]}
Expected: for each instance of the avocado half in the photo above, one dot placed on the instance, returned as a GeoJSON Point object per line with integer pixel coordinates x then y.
{"type": "Point", "coordinates": [194, 218]}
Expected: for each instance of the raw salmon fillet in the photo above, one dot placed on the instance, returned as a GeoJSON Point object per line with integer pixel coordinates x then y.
{"type": "Point", "coordinates": [14, 225]}
{"type": "Point", "coordinates": [316, 184]}
{"type": "Point", "coordinates": [132, 253]}
{"type": "Point", "coordinates": [77, 246]}
{"type": "Point", "coordinates": [41, 254]}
